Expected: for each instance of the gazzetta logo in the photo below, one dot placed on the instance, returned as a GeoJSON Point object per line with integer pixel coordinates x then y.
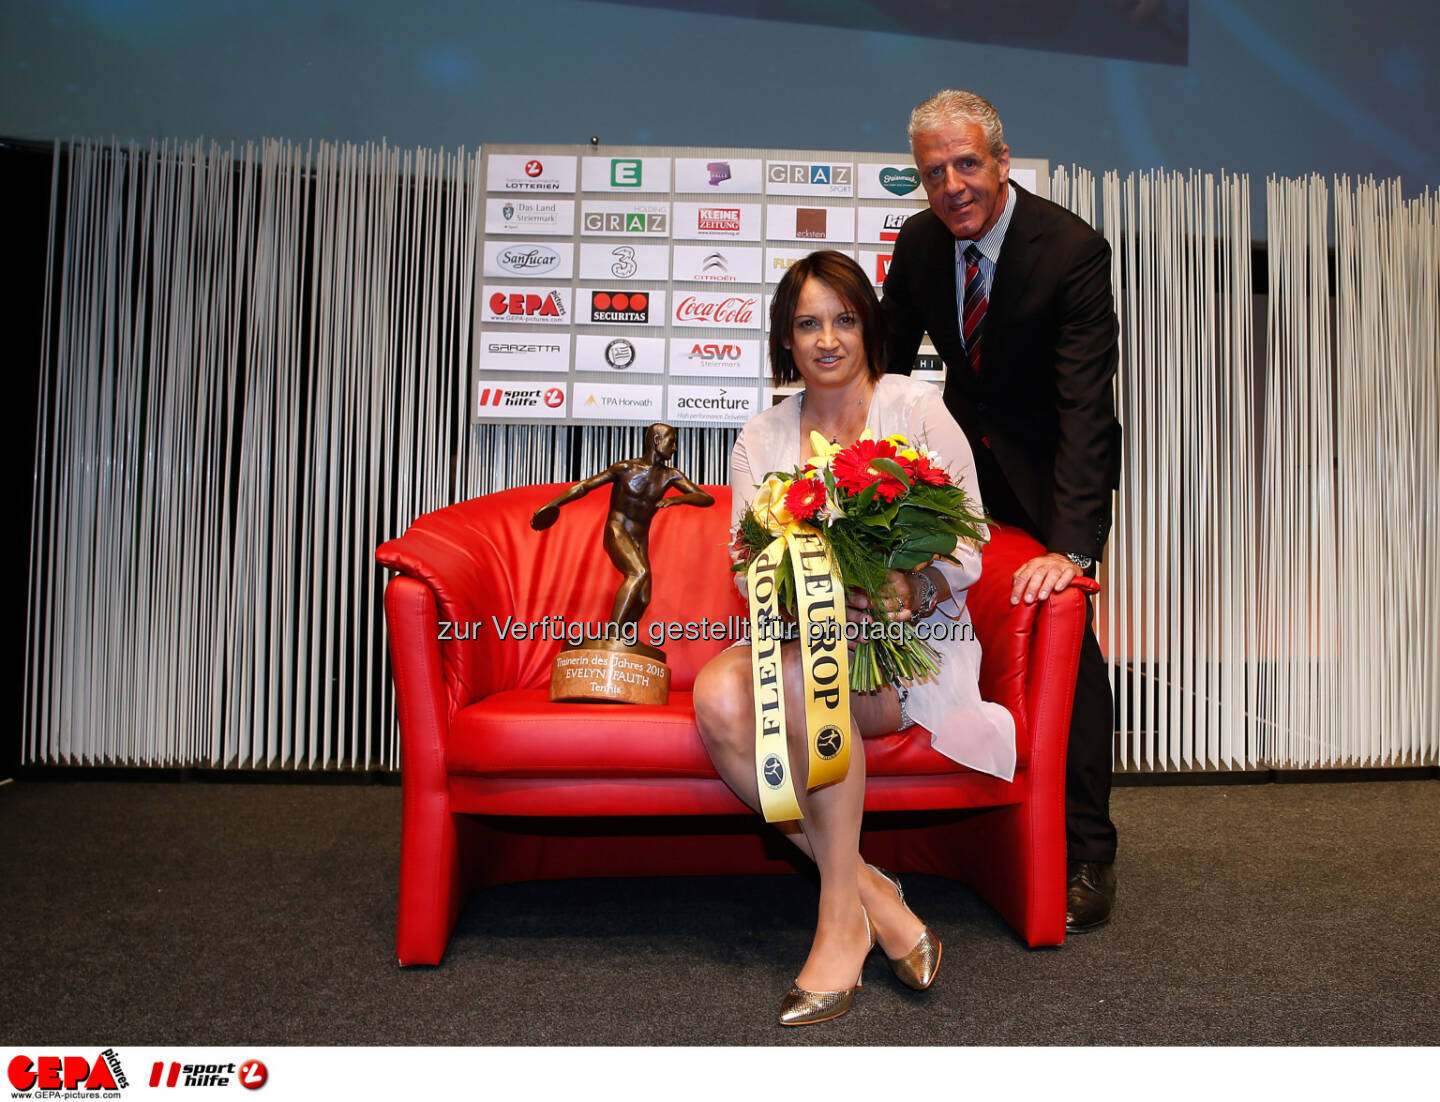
{"type": "Point", "coordinates": [70, 1073]}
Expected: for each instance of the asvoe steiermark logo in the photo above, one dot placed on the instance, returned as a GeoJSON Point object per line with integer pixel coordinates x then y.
{"type": "Point", "coordinates": [715, 357]}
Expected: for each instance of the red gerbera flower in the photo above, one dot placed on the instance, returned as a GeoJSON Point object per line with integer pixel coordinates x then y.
{"type": "Point", "coordinates": [925, 471]}
{"type": "Point", "coordinates": [805, 498]}
{"type": "Point", "coordinates": [851, 466]}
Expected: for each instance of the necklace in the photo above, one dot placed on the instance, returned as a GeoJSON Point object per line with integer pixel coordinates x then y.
{"type": "Point", "coordinates": [834, 431]}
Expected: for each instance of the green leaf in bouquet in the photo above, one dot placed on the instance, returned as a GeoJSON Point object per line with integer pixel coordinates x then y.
{"type": "Point", "coordinates": [893, 469]}
{"type": "Point", "coordinates": [909, 560]}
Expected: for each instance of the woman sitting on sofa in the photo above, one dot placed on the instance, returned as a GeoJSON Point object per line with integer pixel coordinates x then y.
{"type": "Point", "coordinates": [827, 329]}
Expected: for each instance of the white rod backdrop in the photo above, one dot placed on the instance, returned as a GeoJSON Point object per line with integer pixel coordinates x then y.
{"type": "Point", "coordinates": [256, 372]}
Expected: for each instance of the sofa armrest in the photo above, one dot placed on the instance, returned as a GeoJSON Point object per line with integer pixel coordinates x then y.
{"type": "Point", "coordinates": [460, 570]}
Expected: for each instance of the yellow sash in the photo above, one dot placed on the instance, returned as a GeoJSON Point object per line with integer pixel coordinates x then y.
{"type": "Point", "coordinates": [825, 659]}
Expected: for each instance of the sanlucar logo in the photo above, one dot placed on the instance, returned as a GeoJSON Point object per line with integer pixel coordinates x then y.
{"type": "Point", "coordinates": [528, 259]}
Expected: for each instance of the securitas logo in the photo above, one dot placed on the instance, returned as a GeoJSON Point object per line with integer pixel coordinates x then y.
{"type": "Point", "coordinates": [519, 305]}
{"type": "Point", "coordinates": [46, 1076]}
{"type": "Point", "coordinates": [251, 1075]}
{"type": "Point", "coordinates": [620, 306]}
{"type": "Point", "coordinates": [718, 220]}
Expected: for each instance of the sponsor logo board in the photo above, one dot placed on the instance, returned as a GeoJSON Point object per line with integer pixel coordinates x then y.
{"type": "Point", "coordinates": [810, 223]}
{"type": "Point", "coordinates": [625, 174]}
{"type": "Point", "coordinates": [625, 219]}
{"type": "Point", "coordinates": [727, 405]}
{"type": "Point", "coordinates": [512, 214]}
{"type": "Point", "coordinates": [632, 355]}
{"type": "Point", "coordinates": [717, 220]}
{"type": "Point", "coordinates": [717, 309]}
{"type": "Point", "coordinates": [529, 259]}
{"type": "Point", "coordinates": [881, 225]}
{"type": "Point", "coordinates": [524, 399]}
{"type": "Point", "coordinates": [739, 176]}
{"type": "Point", "coordinates": [809, 178]}
{"type": "Point", "coordinates": [614, 306]}
{"type": "Point", "coordinates": [617, 402]}
{"type": "Point", "coordinates": [524, 352]}
{"type": "Point", "coordinates": [624, 261]}
{"type": "Point", "coordinates": [1025, 177]}
{"type": "Point", "coordinates": [717, 263]}
{"type": "Point", "coordinates": [888, 181]}
{"type": "Point", "coordinates": [712, 356]}
{"type": "Point", "coordinates": [529, 172]}
{"type": "Point", "coordinates": [526, 305]}
{"type": "Point", "coordinates": [778, 261]}
{"type": "Point", "coordinates": [876, 265]}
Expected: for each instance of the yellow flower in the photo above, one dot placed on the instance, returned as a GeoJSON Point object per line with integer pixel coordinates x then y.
{"type": "Point", "coordinates": [899, 440]}
{"type": "Point", "coordinates": [769, 504]}
{"type": "Point", "coordinates": [823, 451]}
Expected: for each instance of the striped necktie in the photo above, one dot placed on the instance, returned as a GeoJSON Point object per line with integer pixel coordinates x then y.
{"type": "Point", "coordinates": [975, 304]}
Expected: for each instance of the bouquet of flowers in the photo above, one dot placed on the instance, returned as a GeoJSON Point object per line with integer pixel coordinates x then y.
{"type": "Point", "coordinates": [879, 505]}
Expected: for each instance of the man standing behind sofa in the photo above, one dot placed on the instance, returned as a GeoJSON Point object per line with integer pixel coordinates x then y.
{"type": "Point", "coordinates": [1015, 294]}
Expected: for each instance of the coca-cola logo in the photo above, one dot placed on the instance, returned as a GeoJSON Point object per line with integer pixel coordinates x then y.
{"type": "Point", "coordinates": [528, 259]}
{"type": "Point", "coordinates": [731, 310]}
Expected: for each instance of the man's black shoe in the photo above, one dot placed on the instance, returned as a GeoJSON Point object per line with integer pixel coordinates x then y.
{"type": "Point", "coordinates": [1089, 895]}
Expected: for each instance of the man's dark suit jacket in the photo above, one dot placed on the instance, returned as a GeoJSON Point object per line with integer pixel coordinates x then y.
{"type": "Point", "coordinates": [1042, 403]}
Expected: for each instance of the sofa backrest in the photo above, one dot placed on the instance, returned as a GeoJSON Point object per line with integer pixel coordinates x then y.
{"type": "Point", "coordinates": [491, 572]}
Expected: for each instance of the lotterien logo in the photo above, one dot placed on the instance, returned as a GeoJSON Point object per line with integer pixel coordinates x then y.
{"type": "Point", "coordinates": [899, 181]}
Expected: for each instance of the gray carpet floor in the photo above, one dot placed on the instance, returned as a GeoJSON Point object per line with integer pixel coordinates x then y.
{"type": "Point", "coordinates": [224, 914]}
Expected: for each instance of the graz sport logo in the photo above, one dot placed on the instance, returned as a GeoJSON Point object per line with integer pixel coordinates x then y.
{"type": "Point", "coordinates": [528, 259]}
{"type": "Point", "coordinates": [774, 772]}
{"type": "Point", "coordinates": [829, 741]}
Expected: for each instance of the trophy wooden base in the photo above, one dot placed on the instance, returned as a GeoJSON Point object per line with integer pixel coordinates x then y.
{"type": "Point", "coordinates": [608, 672]}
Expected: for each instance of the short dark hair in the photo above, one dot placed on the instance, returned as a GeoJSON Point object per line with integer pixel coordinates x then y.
{"type": "Point", "coordinates": [848, 280]}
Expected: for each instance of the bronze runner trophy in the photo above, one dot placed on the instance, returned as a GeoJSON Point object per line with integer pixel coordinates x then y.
{"type": "Point", "coordinates": [611, 669]}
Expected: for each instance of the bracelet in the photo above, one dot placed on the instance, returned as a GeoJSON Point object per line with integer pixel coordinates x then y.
{"type": "Point", "coordinates": [928, 593]}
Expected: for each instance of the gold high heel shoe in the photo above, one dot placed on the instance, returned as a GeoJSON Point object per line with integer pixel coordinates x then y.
{"type": "Point", "coordinates": [919, 967]}
{"type": "Point", "coordinates": [802, 1007]}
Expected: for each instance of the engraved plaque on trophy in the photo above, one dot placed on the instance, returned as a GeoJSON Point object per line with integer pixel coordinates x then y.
{"type": "Point", "coordinates": [609, 669]}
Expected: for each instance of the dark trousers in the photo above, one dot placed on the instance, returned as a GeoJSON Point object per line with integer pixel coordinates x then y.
{"type": "Point", "coordinates": [1089, 761]}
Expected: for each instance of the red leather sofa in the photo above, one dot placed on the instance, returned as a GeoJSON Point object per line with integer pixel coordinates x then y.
{"type": "Point", "coordinates": [500, 785]}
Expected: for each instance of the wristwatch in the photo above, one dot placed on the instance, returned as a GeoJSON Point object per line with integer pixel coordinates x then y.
{"type": "Point", "coordinates": [1084, 562]}
{"type": "Point", "coordinates": [924, 585]}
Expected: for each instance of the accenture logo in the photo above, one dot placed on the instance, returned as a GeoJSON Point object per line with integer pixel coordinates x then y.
{"type": "Point", "coordinates": [719, 402]}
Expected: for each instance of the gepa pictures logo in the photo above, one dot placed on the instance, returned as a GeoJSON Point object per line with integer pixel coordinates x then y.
{"type": "Point", "coordinates": [54, 1073]}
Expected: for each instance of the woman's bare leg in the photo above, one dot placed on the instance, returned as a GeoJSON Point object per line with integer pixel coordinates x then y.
{"type": "Point", "coordinates": [724, 706]}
